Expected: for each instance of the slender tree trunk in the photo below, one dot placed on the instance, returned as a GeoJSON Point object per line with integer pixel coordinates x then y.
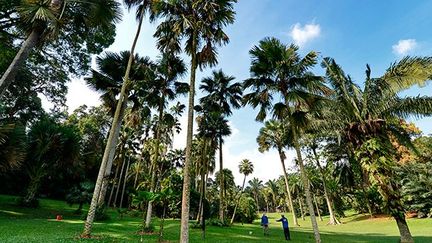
{"type": "Point", "coordinates": [136, 180]}
{"type": "Point", "coordinates": [119, 182]}
{"type": "Point", "coordinates": [222, 184]}
{"type": "Point", "coordinates": [405, 234]}
{"type": "Point", "coordinates": [112, 138]}
{"type": "Point", "coordinates": [238, 200]}
{"type": "Point", "coordinates": [22, 55]}
{"type": "Point", "coordinates": [124, 183]}
{"type": "Point", "coordinates": [184, 228]}
{"type": "Point", "coordinates": [113, 185]}
{"type": "Point", "coordinates": [333, 220]}
{"type": "Point", "coordinates": [161, 227]}
{"type": "Point", "coordinates": [203, 188]}
{"type": "Point", "coordinates": [300, 199]}
{"type": "Point", "coordinates": [290, 202]}
{"type": "Point", "coordinates": [198, 218]}
{"type": "Point", "coordinates": [306, 187]}
{"type": "Point", "coordinates": [156, 160]}
{"type": "Point", "coordinates": [317, 209]}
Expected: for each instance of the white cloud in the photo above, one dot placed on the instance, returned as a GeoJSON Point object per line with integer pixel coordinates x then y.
{"type": "Point", "coordinates": [403, 47]}
{"type": "Point", "coordinates": [303, 34]}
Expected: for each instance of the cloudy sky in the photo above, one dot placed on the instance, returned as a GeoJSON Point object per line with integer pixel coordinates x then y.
{"type": "Point", "coordinates": [351, 31]}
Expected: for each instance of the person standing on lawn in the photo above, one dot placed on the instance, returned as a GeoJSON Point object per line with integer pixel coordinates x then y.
{"type": "Point", "coordinates": [264, 224]}
{"type": "Point", "coordinates": [285, 227]}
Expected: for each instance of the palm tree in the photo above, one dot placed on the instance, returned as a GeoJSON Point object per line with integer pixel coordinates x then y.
{"type": "Point", "coordinates": [275, 135]}
{"type": "Point", "coordinates": [221, 96]}
{"type": "Point", "coordinates": [45, 19]}
{"type": "Point", "coordinates": [313, 146]}
{"type": "Point", "coordinates": [246, 168]}
{"type": "Point", "coordinates": [108, 79]}
{"type": "Point", "coordinates": [143, 7]}
{"type": "Point", "coordinates": [163, 87]}
{"type": "Point", "coordinates": [370, 118]}
{"type": "Point", "coordinates": [256, 185]}
{"type": "Point", "coordinates": [282, 83]}
{"type": "Point", "coordinates": [200, 23]}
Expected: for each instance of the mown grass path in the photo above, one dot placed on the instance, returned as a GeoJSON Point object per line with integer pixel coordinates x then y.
{"type": "Point", "coordinates": [39, 225]}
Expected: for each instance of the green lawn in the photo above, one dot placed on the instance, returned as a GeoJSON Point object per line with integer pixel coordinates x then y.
{"type": "Point", "coordinates": [39, 225]}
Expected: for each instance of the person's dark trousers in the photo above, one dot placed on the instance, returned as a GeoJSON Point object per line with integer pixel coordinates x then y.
{"type": "Point", "coordinates": [287, 234]}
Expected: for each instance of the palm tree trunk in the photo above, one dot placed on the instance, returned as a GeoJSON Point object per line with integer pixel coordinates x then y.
{"type": "Point", "coordinates": [300, 199]}
{"type": "Point", "coordinates": [222, 184]}
{"type": "Point", "coordinates": [238, 200]}
{"type": "Point", "coordinates": [150, 204]}
{"type": "Point", "coordinates": [112, 187]}
{"type": "Point", "coordinates": [306, 187]}
{"type": "Point", "coordinates": [184, 228]}
{"type": "Point", "coordinates": [203, 188]}
{"type": "Point", "coordinates": [198, 218]}
{"type": "Point", "coordinates": [317, 209]}
{"type": "Point", "coordinates": [112, 138]}
{"type": "Point", "coordinates": [290, 202]}
{"type": "Point", "coordinates": [405, 234]}
{"type": "Point", "coordinates": [156, 159]}
{"type": "Point", "coordinates": [333, 220]}
{"type": "Point", "coordinates": [19, 59]}
{"type": "Point", "coordinates": [124, 183]}
{"type": "Point", "coordinates": [119, 182]}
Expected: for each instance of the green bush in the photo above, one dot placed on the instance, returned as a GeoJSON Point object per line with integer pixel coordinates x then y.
{"type": "Point", "coordinates": [246, 211]}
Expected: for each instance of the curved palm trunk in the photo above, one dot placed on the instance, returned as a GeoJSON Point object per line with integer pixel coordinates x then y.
{"type": "Point", "coordinates": [238, 200]}
{"type": "Point", "coordinates": [184, 228]}
{"type": "Point", "coordinates": [112, 138]}
{"type": "Point", "coordinates": [333, 220]}
{"type": "Point", "coordinates": [306, 187]}
{"type": "Point", "coordinates": [222, 184]}
{"type": "Point", "coordinates": [124, 183]}
{"type": "Point", "coordinates": [19, 59]}
{"type": "Point", "coordinates": [290, 202]}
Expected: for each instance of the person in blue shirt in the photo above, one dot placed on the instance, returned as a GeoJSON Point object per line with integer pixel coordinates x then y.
{"type": "Point", "coordinates": [285, 227]}
{"type": "Point", "coordinates": [264, 224]}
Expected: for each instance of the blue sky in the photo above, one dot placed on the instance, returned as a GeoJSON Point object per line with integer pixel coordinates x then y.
{"type": "Point", "coordinates": [351, 31]}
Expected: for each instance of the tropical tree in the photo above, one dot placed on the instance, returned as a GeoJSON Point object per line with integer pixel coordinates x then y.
{"type": "Point", "coordinates": [312, 145]}
{"type": "Point", "coordinates": [283, 84]}
{"type": "Point", "coordinates": [143, 8]}
{"type": "Point", "coordinates": [221, 96]}
{"type": "Point", "coordinates": [370, 119]}
{"type": "Point", "coordinates": [163, 87]}
{"type": "Point", "coordinates": [275, 135]}
{"type": "Point", "coordinates": [255, 186]}
{"type": "Point", "coordinates": [47, 20]}
{"type": "Point", "coordinates": [200, 23]}
{"type": "Point", "coordinates": [12, 146]}
{"type": "Point", "coordinates": [246, 168]}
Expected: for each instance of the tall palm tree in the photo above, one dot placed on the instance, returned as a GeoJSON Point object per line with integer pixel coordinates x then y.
{"type": "Point", "coordinates": [163, 87]}
{"type": "Point", "coordinates": [221, 96]}
{"type": "Point", "coordinates": [246, 168]}
{"type": "Point", "coordinates": [275, 135]}
{"type": "Point", "coordinates": [144, 6]}
{"type": "Point", "coordinates": [200, 23]}
{"type": "Point", "coordinates": [283, 84]}
{"type": "Point", "coordinates": [108, 80]}
{"type": "Point", "coordinates": [45, 19]}
{"type": "Point", "coordinates": [273, 188]}
{"type": "Point", "coordinates": [313, 146]}
{"type": "Point", "coordinates": [256, 185]}
{"type": "Point", "coordinates": [369, 119]}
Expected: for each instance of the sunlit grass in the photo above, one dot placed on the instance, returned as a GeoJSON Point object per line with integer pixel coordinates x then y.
{"type": "Point", "coordinates": [40, 225]}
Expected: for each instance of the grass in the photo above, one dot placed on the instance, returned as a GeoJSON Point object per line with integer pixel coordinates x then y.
{"type": "Point", "coordinates": [39, 225]}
